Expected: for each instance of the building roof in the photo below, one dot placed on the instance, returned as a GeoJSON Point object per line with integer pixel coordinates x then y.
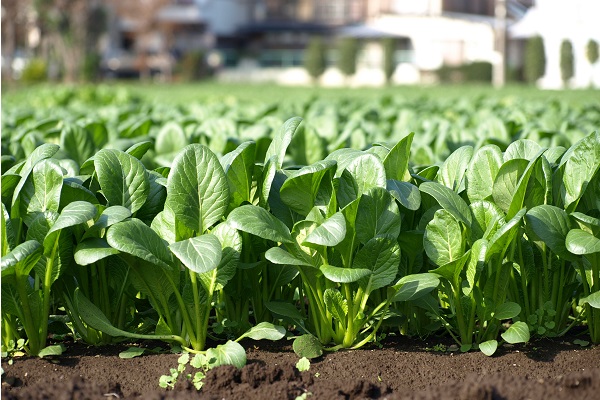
{"type": "Point", "coordinates": [180, 14]}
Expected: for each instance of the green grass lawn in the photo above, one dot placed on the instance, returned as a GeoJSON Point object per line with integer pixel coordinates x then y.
{"type": "Point", "coordinates": [183, 93]}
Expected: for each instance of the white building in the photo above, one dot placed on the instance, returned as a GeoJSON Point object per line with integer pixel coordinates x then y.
{"type": "Point", "coordinates": [555, 21]}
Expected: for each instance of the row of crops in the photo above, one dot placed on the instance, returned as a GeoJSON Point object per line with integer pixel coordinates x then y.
{"type": "Point", "coordinates": [209, 223]}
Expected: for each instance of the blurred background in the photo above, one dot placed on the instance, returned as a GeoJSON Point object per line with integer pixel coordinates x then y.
{"type": "Point", "coordinates": [549, 43]}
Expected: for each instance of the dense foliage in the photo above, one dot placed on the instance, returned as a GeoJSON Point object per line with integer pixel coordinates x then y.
{"type": "Point", "coordinates": [566, 61]}
{"type": "Point", "coordinates": [124, 219]}
{"type": "Point", "coordinates": [535, 59]}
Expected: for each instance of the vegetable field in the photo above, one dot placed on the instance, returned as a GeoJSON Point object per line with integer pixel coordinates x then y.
{"type": "Point", "coordinates": [331, 223]}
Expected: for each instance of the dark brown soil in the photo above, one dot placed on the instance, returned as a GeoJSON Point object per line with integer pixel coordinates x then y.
{"type": "Point", "coordinates": [403, 368]}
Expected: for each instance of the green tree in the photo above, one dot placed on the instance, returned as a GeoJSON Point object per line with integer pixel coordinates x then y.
{"type": "Point", "coordinates": [535, 59]}
{"type": "Point", "coordinates": [566, 61]}
{"type": "Point", "coordinates": [389, 62]}
{"type": "Point", "coordinates": [591, 51]}
{"type": "Point", "coordinates": [314, 59]}
{"type": "Point", "coordinates": [347, 57]}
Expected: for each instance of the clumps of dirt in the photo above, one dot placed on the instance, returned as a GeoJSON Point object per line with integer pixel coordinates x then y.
{"type": "Point", "coordinates": [77, 388]}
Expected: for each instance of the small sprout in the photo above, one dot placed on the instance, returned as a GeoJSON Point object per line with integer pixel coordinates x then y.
{"type": "Point", "coordinates": [303, 396]}
{"type": "Point", "coordinates": [131, 352]}
{"type": "Point", "coordinates": [581, 343]}
{"type": "Point", "coordinates": [317, 374]}
{"type": "Point", "coordinates": [303, 364]}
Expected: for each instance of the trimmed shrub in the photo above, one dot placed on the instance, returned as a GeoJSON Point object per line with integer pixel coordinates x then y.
{"type": "Point", "coordinates": [566, 61]}
{"type": "Point", "coordinates": [389, 63]}
{"type": "Point", "coordinates": [591, 51]}
{"type": "Point", "coordinates": [347, 57]}
{"type": "Point", "coordinates": [36, 70]}
{"type": "Point", "coordinates": [477, 71]}
{"type": "Point", "coordinates": [314, 59]}
{"type": "Point", "coordinates": [535, 59]}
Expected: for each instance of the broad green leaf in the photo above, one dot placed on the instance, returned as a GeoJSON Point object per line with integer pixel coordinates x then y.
{"type": "Point", "coordinates": [551, 225]}
{"type": "Point", "coordinates": [7, 233]}
{"type": "Point", "coordinates": [91, 250]}
{"type": "Point", "coordinates": [396, 161]}
{"type": "Point", "coordinates": [21, 259]}
{"type": "Point", "coordinates": [344, 275]}
{"type": "Point", "coordinates": [412, 287]}
{"type": "Point", "coordinates": [487, 218]}
{"type": "Point", "coordinates": [303, 364]}
{"type": "Point", "coordinates": [517, 333]}
{"type": "Point", "coordinates": [264, 330]}
{"type": "Point", "coordinates": [449, 200]}
{"type": "Point", "coordinates": [122, 177]}
{"type": "Point", "coordinates": [231, 245]}
{"type": "Point", "coordinates": [377, 215]}
{"type": "Point", "coordinates": [285, 310]}
{"type": "Point", "coordinates": [452, 172]}
{"type": "Point", "coordinates": [581, 242]}
{"type": "Point", "coordinates": [131, 352]}
{"type": "Point", "coordinates": [52, 350]}
{"type": "Point", "coordinates": [405, 193]}
{"type": "Point", "coordinates": [308, 346]}
{"type": "Point", "coordinates": [92, 316]}
{"type": "Point", "coordinates": [368, 172]}
{"type": "Point", "coordinates": [170, 139]}
{"type": "Point", "coordinates": [239, 167]}
{"type": "Point", "coordinates": [230, 353]}
{"type": "Point", "coordinates": [336, 304]}
{"type": "Point", "coordinates": [522, 148]}
{"type": "Point", "coordinates": [452, 270]}
{"type": "Point", "coordinates": [580, 162]}
{"type": "Point", "coordinates": [78, 212]}
{"type": "Point", "coordinates": [77, 142]}
{"type": "Point", "coordinates": [282, 140]}
{"type": "Point", "coordinates": [8, 186]}
{"type": "Point", "coordinates": [482, 172]}
{"type": "Point", "coordinates": [266, 181]}
{"type": "Point", "coordinates": [136, 238]}
{"type": "Point", "coordinates": [443, 238]}
{"type": "Point", "coordinates": [475, 264]}
{"type": "Point", "coordinates": [259, 222]}
{"type": "Point", "coordinates": [593, 300]}
{"type": "Point", "coordinates": [110, 216]}
{"type": "Point", "coordinates": [41, 191]}
{"type": "Point", "coordinates": [42, 152]}
{"type": "Point", "coordinates": [499, 242]}
{"type": "Point", "coordinates": [197, 189]}
{"type": "Point", "coordinates": [300, 190]}
{"type": "Point", "coordinates": [507, 310]}
{"type": "Point", "coordinates": [587, 223]}
{"type": "Point", "coordinates": [488, 347]}
{"type": "Point", "coordinates": [507, 182]}
{"type": "Point", "coordinates": [329, 233]}
{"type": "Point", "coordinates": [139, 149]}
{"type": "Point", "coordinates": [157, 195]}
{"type": "Point", "coordinates": [74, 191]}
{"type": "Point", "coordinates": [382, 257]}
{"type": "Point", "coordinates": [279, 256]}
{"type": "Point", "coordinates": [200, 254]}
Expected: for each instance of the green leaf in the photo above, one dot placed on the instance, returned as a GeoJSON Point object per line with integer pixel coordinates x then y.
{"type": "Point", "coordinates": [368, 172]}
{"type": "Point", "coordinates": [475, 264]}
{"type": "Point", "coordinates": [8, 185]}
{"type": "Point", "coordinates": [336, 304]}
{"type": "Point", "coordinates": [21, 259]}
{"type": "Point", "coordinates": [259, 222]}
{"type": "Point", "coordinates": [377, 215]}
{"type": "Point", "coordinates": [396, 161]}
{"type": "Point", "coordinates": [264, 330]}
{"type": "Point", "coordinates": [507, 310]}
{"type": "Point", "coordinates": [593, 300]}
{"type": "Point", "coordinates": [110, 216]}
{"type": "Point", "coordinates": [412, 287]}
{"type": "Point", "coordinates": [136, 238]}
{"type": "Point", "coordinates": [507, 182]}
{"type": "Point", "coordinates": [300, 190]}
{"type": "Point", "coordinates": [122, 177]}
{"type": "Point", "coordinates": [170, 139]}
{"type": "Point", "coordinates": [230, 353]}
{"type": "Point", "coordinates": [307, 346]}
{"type": "Point", "coordinates": [489, 347]}
{"type": "Point", "coordinates": [329, 233]}
{"type": "Point", "coordinates": [406, 193]}
{"type": "Point", "coordinates": [231, 245]}
{"type": "Point", "coordinates": [53, 350]}
{"type": "Point", "coordinates": [303, 364]}
{"type": "Point", "coordinates": [239, 166]}
{"type": "Point", "coordinates": [139, 149]}
{"type": "Point", "coordinates": [344, 275]}
{"type": "Point", "coordinates": [500, 241]}
{"type": "Point", "coordinates": [452, 172]}
{"type": "Point", "coordinates": [282, 140]}
{"type": "Point", "coordinates": [482, 172]}
{"type": "Point", "coordinates": [581, 242]}
{"type": "Point", "coordinates": [449, 200]}
{"type": "Point", "coordinates": [91, 250]}
{"type": "Point", "coordinates": [551, 225]}
{"type": "Point", "coordinates": [487, 218]}
{"type": "Point", "coordinates": [443, 238]}
{"type": "Point", "coordinates": [200, 254]}
{"type": "Point", "coordinates": [517, 333]}
{"type": "Point", "coordinates": [286, 310]}
{"type": "Point", "coordinates": [515, 194]}
{"type": "Point", "coordinates": [197, 189]}
{"type": "Point", "coordinates": [522, 148]}
{"type": "Point", "coordinates": [41, 191]}
{"type": "Point", "coordinates": [381, 256]}
{"type": "Point", "coordinates": [580, 163]}
{"type": "Point", "coordinates": [131, 352]}
{"type": "Point", "coordinates": [77, 142]}
{"type": "Point", "coordinates": [279, 256]}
